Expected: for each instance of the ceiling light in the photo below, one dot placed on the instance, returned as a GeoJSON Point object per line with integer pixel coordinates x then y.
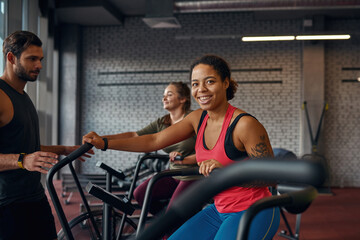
{"type": "Point", "coordinates": [323, 37]}
{"type": "Point", "coordinates": [268, 38]}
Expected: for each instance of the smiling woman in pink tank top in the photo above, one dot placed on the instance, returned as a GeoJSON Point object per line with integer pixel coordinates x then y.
{"type": "Point", "coordinates": [225, 134]}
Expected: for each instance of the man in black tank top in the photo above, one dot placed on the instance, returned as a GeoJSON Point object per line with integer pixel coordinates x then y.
{"type": "Point", "coordinates": [24, 209]}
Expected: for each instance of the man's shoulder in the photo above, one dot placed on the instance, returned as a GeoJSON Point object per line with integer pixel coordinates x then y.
{"type": "Point", "coordinates": [3, 88]}
{"type": "Point", "coordinates": [4, 99]}
{"type": "Point", "coordinates": [5, 107]}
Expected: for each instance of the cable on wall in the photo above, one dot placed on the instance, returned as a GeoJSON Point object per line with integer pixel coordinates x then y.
{"type": "Point", "coordinates": [181, 71]}
{"type": "Point", "coordinates": [351, 69]}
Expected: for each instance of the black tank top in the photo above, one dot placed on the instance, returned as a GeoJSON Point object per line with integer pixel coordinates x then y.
{"type": "Point", "coordinates": [231, 151]}
{"type": "Point", "coordinates": [20, 135]}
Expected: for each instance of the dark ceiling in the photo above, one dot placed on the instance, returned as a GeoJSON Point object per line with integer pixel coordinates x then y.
{"type": "Point", "coordinates": [113, 12]}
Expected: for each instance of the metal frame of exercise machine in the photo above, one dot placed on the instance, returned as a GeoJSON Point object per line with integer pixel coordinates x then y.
{"type": "Point", "coordinates": [120, 204]}
{"type": "Point", "coordinates": [269, 171]}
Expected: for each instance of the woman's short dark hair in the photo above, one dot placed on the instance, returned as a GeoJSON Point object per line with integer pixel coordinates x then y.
{"type": "Point", "coordinates": [19, 41]}
{"type": "Point", "coordinates": [222, 68]}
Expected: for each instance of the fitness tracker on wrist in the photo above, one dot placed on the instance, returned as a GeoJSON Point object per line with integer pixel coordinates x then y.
{"type": "Point", "coordinates": [105, 144]}
{"type": "Point", "coordinates": [20, 161]}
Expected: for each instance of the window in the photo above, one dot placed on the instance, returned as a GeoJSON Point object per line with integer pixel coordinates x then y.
{"type": "Point", "coordinates": [25, 15]}
{"type": "Point", "coordinates": [3, 6]}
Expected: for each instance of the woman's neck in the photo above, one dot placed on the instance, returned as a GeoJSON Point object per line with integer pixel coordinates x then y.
{"type": "Point", "coordinates": [218, 113]}
{"type": "Point", "coordinates": [176, 115]}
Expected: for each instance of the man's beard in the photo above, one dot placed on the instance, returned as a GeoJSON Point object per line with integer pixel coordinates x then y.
{"type": "Point", "coordinates": [21, 73]}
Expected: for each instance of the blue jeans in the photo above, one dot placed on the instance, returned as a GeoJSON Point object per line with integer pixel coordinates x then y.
{"type": "Point", "coordinates": [210, 224]}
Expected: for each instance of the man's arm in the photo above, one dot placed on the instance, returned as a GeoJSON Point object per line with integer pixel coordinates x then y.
{"type": "Point", "coordinates": [6, 109]}
{"type": "Point", "coordinates": [36, 161]}
{"type": "Point", "coordinates": [31, 162]}
{"type": "Point", "coordinates": [58, 149]}
{"type": "Point", "coordinates": [8, 161]}
{"type": "Point", "coordinates": [65, 150]}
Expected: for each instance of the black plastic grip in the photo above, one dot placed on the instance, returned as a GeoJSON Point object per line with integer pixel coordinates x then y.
{"type": "Point", "coordinates": [119, 174]}
{"type": "Point", "coordinates": [80, 151]}
{"type": "Point", "coordinates": [122, 204]}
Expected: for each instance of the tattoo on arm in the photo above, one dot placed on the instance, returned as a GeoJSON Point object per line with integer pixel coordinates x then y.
{"type": "Point", "coordinates": [260, 150]}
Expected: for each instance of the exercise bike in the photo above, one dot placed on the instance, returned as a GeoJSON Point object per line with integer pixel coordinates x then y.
{"type": "Point", "coordinates": [99, 224]}
{"type": "Point", "coordinates": [297, 180]}
{"type": "Point", "coordinates": [93, 224]}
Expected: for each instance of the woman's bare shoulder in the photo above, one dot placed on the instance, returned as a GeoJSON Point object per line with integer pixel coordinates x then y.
{"type": "Point", "coordinates": [196, 114]}
{"type": "Point", "coordinates": [246, 121]}
{"type": "Point", "coordinates": [194, 118]}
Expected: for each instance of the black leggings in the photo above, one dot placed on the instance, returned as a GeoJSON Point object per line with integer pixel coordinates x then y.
{"type": "Point", "coordinates": [27, 220]}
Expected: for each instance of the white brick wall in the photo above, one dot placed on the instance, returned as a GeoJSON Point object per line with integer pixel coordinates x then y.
{"type": "Point", "coordinates": [342, 132]}
{"type": "Point", "coordinates": [135, 47]}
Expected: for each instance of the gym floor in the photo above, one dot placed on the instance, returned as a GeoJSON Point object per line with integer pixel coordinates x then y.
{"type": "Point", "coordinates": [330, 217]}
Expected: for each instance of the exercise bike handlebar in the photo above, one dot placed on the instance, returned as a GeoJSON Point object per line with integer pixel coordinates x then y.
{"type": "Point", "coordinates": [50, 185]}
{"type": "Point", "coordinates": [298, 199]}
{"type": "Point", "coordinates": [69, 158]}
{"type": "Point", "coordinates": [138, 166]}
{"type": "Point", "coordinates": [270, 171]}
{"type": "Point", "coordinates": [147, 198]}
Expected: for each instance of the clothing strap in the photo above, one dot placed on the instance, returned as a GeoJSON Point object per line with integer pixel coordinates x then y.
{"type": "Point", "coordinates": [233, 124]}
{"type": "Point", "coordinates": [201, 119]}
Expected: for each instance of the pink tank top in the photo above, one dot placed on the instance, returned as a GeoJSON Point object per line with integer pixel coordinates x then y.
{"type": "Point", "coordinates": [234, 199]}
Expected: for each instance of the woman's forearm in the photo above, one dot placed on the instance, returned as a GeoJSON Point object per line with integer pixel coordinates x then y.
{"type": "Point", "coordinates": [145, 143]}
{"type": "Point", "coordinates": [121, 135]}
{"type": "Point", "coordinates": [191, 159]}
